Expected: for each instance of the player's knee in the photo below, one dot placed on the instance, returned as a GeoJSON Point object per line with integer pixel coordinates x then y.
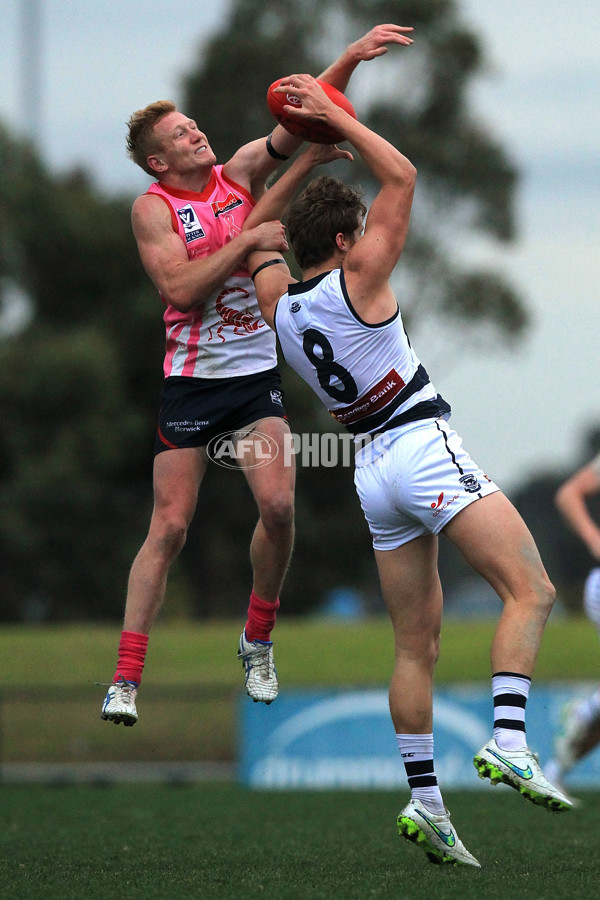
{"type": "Point", "coordinates": [546, 594]}
{"type": "Point", "coordinates": [541, 595]}
{"type": "Point", "coordinates": [170, 535]}
{"type": "Point", "coordinates": [436, 649]}
{"type": "Point", "coordinates": [421, 652]}
{"type": "Point", "coordinates": [277, 513]}
{"type": "Point", "coordinates": [432, 651]}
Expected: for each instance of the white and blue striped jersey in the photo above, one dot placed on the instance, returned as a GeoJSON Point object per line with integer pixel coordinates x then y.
{"type": "Point", "coordinates": [368, 376]}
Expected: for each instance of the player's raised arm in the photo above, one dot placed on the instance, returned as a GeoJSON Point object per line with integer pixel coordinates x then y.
{"type": "Point", "coordinates": [274, 202]}
{"type": "Point", "coordinates": [379, 249]}
{"type": "Point", "coordinates": [254, 162]}
{"type": "Point", "coordinates": [269, 269]}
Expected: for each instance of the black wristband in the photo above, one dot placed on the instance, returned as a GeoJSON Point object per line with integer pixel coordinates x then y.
{"type": "Point", "coordinates": [269, 262]}
{"type": "Point", "coordinates": [272, 151]}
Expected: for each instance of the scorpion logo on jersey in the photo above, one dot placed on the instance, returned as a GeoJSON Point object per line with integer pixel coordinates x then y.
{"type": "Point", "coordinates": [242, 322]}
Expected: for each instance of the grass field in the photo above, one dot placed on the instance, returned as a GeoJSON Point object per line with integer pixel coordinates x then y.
{"type": "Point", "coordinates": [192, 677]}
{"type": "Point", "coordinates": [208, 840]}
{"type": "Point", "coordinates": [309, 652]}
{"type": "Point", "coordinates": [219, 841]}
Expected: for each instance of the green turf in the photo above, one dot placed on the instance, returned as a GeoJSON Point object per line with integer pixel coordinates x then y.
{"type": "Point", "coordinates": [309, 652]}
{"type": "Point", "coordinates": [192, 678]}
{"type": "Point", "coordinates": [220, 841]}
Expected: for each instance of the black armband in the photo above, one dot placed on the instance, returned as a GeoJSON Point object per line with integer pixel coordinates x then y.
{"type": "Point", "coordinates": [272, 151]}
{"type": "Point", "coordinates": [269, 262]}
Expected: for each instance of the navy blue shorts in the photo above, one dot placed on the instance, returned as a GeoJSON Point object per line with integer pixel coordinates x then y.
{"type": "Point", "coordinates": [193, 411]}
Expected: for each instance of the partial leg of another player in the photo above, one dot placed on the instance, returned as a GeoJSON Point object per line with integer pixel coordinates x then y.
{"type": "Point", "coordinates": [271, 481]}
{"type": "Point", "coordinates": [411, 588]}
{"type": "Point", "coordinates": [579, 736]}
{"type": "Point", "coordinates": [493, 538]}
{"type": "Point", "coordinates": [581, 717]}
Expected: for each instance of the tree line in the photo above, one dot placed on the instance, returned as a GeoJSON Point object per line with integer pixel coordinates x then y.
{"type": "Point", "coordinates": [80, 380]}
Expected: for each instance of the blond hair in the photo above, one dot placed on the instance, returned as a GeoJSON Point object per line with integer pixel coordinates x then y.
{"type": "Point", "coordinates": [141, 139]}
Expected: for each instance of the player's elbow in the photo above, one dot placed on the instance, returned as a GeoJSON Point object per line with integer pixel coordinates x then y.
{"type": "Point", "coordinates": [562, 497]}
{"type": "Point", "coordinates": [404, 177]}
{"type": "Point", "coordinates": [180, 298]}
{"type": "Point", "coordinates": [409, 174]}
{"type": "Point", "coordinates": [267, 304]}
{"type": "Point", "coordinates": [558, 498]}
{"type": "Point", "coordinates": [402, 184]}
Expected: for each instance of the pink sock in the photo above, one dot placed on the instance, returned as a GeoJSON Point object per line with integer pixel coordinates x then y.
{"type": "Point", "coordinates": [261, 618]}
{"type": "Point", "coordinates": [132, 653]}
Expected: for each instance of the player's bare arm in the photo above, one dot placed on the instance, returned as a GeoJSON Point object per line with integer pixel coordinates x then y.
{"type": "Point", "coordinates": [252, 164]}
{"type": "Point", "coordinates": [371, 260]}
{"type": "Point", "coordinates": [271, 283]}
{"type": "Point", "coordinates": [184, 283]}
{"type": "Point", "coordinates": [275, 201]}
{"type": "Point", "coordinates": [271, 280]}
{"type": "Point", "coordinates": [571, 500]}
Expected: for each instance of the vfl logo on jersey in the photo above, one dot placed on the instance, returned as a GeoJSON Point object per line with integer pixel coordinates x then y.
{"type": "Point", "coordinates": [191, 226]}
{"type": "Point", "coordinates": [222, 206]}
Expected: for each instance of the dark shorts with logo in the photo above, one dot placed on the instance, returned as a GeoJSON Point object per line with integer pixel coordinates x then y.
{"type": "Point", "coordinates": [193, 411]}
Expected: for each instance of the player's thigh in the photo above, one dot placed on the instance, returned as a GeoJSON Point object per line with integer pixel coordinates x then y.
{"type": "Point", "coordinates": [494, 539]}
{"type": "Point", "coordinates": [176, 480]}
{"type": "Point", "coordinates": [268, 463]}
{"type": "Point", "coordinates": [411, 589]}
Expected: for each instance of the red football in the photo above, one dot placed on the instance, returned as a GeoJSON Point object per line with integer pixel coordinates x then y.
{"type": "Point", "coordinates": [315, 132]}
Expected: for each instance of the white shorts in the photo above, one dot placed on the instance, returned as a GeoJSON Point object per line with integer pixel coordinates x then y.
{"type": "Point", "coordinates": [412, 480]}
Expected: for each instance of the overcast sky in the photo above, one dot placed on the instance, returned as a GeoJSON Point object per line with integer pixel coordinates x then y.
{"type": "Point", "coordinates": [520, 412]}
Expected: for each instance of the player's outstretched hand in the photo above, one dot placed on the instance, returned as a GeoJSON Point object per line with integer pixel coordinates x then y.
{"type": "Point", "coordinates": [374, 42]}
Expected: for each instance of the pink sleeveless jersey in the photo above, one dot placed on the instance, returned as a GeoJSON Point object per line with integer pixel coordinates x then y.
{"type": "Point", "coordinates": [226, 336]}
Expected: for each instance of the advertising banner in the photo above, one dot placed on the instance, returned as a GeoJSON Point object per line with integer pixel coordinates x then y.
{"type": "Point", "coordinates": [345, 739]}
